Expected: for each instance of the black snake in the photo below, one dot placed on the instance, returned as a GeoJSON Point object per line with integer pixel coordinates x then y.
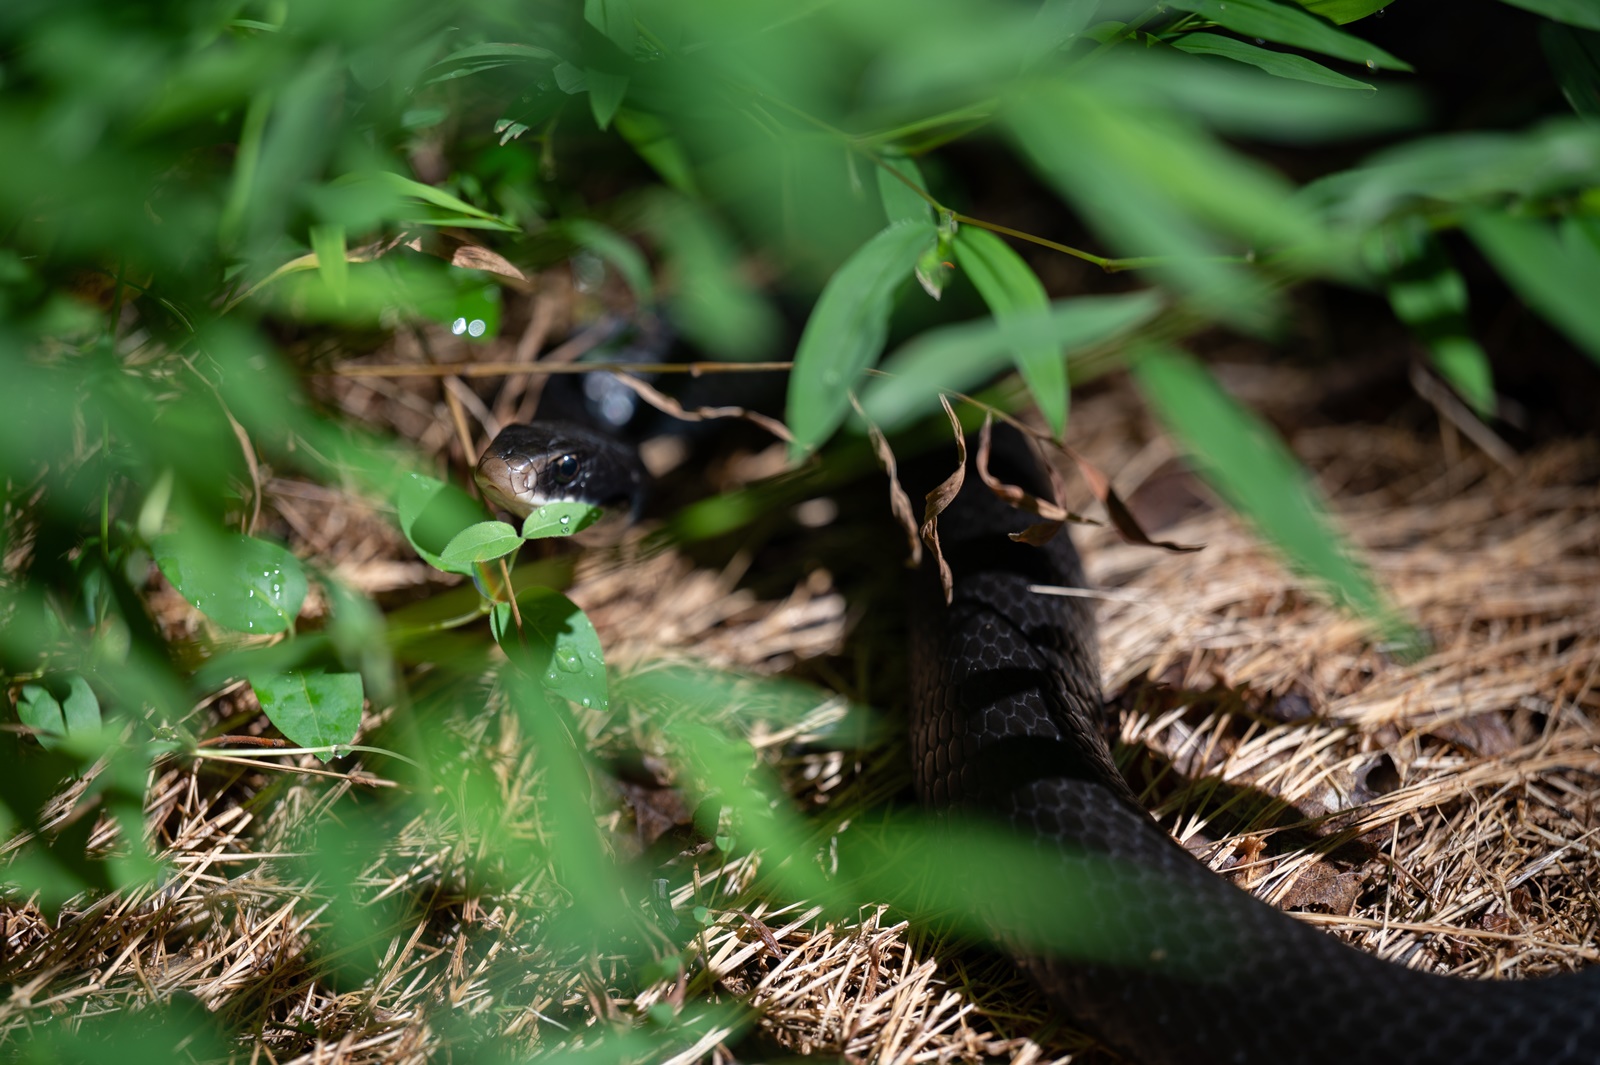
{"type": "Point", "coordinates": [1006, 724]}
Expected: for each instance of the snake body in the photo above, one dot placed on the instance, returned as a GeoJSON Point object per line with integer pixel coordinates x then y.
{"type": "Point", "coordinates": [1005, 724]}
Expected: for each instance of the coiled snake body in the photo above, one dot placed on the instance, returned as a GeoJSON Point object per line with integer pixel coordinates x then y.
{"type": "Point", "coordinates": [1005, 724]}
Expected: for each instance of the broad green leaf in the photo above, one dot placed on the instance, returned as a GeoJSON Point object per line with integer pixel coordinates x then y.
{"type": "Point", "coordinates": [1428, 295]}
{"type": "Point", "coordinates": [1013, 292]}
{"type": "Point", "coordinates": [1343, 11]}
{"type": "Point", "coordinates": [332, 259]}
{"type": "Point", "coordinates": [899, 202]}
{"type": "Point", "coordinates": [1555, 273]}
{"type": "Point", "coordinates": [558, 644]}
{"type": "Point", "coordinates": [1585, 13]}
{"type": "Point", "coordinates": [239, 582]}
{"type": "Point", "coordinates": [312, 708]}
{"type": "Point", "coordinates": [559, 519]}
{"type": "Point", "coordinates": [431, 514]}
{"type": "Point", "coordinates": [1287, 23]}
{"type": "Point", "coordinates": [1279, 64]}
{"type": "Point", "coordinates": [75, 714]}
{"type": "Point", "coordinates": [957, 358]}
{"type": "Point", "coordinates": [621, 253]}
{"type": "Point", "coordinates": [483, 542]}
{"type": "Point", "coordinates": [1574, 56]}
{"type": "Point", "coordinates": [1243, 459]}
{"type": "Point", "coordinates": [844, 335]}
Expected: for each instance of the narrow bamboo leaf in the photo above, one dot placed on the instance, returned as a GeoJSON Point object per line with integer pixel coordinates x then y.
{"type": "Point", "coordinates": [457, 211]}
{"type": "Point", "coordinates": [1430, 297]}
{"type": "Point", "coordinates": [1287, 23]}
{"type": "Point", "coordinates": [332, 259]}
{"type": "Point", "coordinates": [711, 300]}
{"type": "Point", "coordinates": [1574, 56]}
{"type": "Point", "coordinates": [1013, 292]}
{"type": "Point", "coordinates": [956, 358]}
{"type": "Point", "coordinates": [1585, 13]}
{"type": "Point", "coordinates": [1343, 11]}
{"type": "Point", "coordinates": [845, 333]}
{"type": "Point", "coordinates": [1279, 64]}
{"type": "Point", "coordinates": [1244, 460]}
{"type": "Point", "coordinates": [1057, 23]}
{"type": "Point", "coordinates": [481, 57]}
{"type": "Point", "coordinates": [312, 708]}
{"type": "Point", "coordinates": [483, 542]}
{"type": "Point", "coordinates": [900, 203]}
{"type": "Point", "coordinates": [614, 18]}
{"type": "Point", "coordinates": [1557, 277]}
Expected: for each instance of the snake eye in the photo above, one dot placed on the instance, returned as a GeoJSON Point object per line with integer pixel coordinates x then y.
{"type": "Point", "coordinates": [565, 469]}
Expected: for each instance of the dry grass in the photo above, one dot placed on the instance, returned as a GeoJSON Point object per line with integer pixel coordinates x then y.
{"type": "Point", "coordinates": [1440, 812]}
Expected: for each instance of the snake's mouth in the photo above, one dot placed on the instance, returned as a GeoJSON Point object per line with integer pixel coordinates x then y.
{"type": "Point", "coordinates": [506, 487]}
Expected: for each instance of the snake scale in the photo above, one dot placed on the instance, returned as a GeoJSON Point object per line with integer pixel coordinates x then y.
{"type": "Point", "coordinates": [1005, 724]}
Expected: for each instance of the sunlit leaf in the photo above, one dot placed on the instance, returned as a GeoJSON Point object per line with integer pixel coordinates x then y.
{"type": "Point", "coordinates": [1287, 23]}
{"type": "Point", "coordinates": [846, 331]}
{"type": "Point", "coordinates": [560, 519]}
{"type": "Point", "coordinates": [312, 708]}
{"type": "Point", "coordinates": [240, 582]}
{"type": "Point", "coordinates": [483, 542]}
{"type": "Point", "coordinates": [955, 358]}
{"type": "Point", "coordinates": [1278, 64]}
{"type": "Point", "coordinates": [1241, 457]}
{"type": "Point", "coordinates": [558, 644]}
{"type": "Point", "coordinates": [1014, 293]}
{"type": "Point", "coordinates": [327, 242]}
{"type": "Point", "coordinates": [432, 513]}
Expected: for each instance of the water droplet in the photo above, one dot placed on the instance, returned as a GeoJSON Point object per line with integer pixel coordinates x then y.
{"type": "Point", "coordinates": [476, 327]}
{"type": "Point", "coordinates": [551, 677]}
{"type": "Point", "coordinates": [566, 519]}
{"type": "Point", "coordinates": [250, 593]}
{"type": "Point", "coordinates": [584, 702]}
{"type": "Point", "coordinates": [569, 662]}
{"type": "Point", "coordinates": [543, 512]}
{"type": "Point", "coordinates": [458, 326]}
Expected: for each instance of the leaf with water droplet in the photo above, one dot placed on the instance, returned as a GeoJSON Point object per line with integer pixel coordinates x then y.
{"type": "Point", "coordinates": [483, 542]}
{"type": "Point", "coordinates": [555, 641]}
{"type": "Point", "coordinates": [240, 582]}
{"type": "Point", "coordinates": [560, 519]}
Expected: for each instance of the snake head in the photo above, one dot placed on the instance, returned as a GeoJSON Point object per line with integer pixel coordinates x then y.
{"type": "Point", "coordinates": [527, 466]}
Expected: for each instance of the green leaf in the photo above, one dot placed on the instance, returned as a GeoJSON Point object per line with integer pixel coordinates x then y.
{"type": "Point", "coordinates": [483, 542]}
{"type": "Point", "coordinates": [711, 300]}
{"type": "Point", "coordinates": [1057, 23]}
{"type": "Point", "coordinates": [559, 644]}
{"type": "Point", "coordinates": [1585, 13]}
{"type": "Point", "coordinates": [75, 714]}
{"type": "Point", "coordinates": [1012, 292]}
{"type": "Point", "coordinates": [1278, 64]}
{"type": "Point", "coordinates": [617, 250]}
{"type": "Point", "coordinates": [1243, 459]}
{"type": "Point", "coordinates": [900, 203]}
{"type": "Point", "coordinates": [606, 91]}
{"type": "Point", "coordinates": [1428, 295]}
{"type": "Point", "coordinates": [956, 358]}
{"type": "Point", "coordinates": [1343, 11]}
{"type": "Point", "coordinates": [239, 582]}
{"type": "Point", "coordinates": [559, 519]}
{"type": "Point", "coordinates": [844, 335]}
{"type": "Point", "coordinates": [1292, 25]}
{"type": "Point", "coordinates": [1574, 56]}
{"type": "Point", "coordinates": [432, 513]}
{"type": "Point", "coordinates": [1557, 274]}
{"type": "Point", "coordinates": [458, 212]}
{"type": "Point", "coordinates": [614, 18]}
{"type": "Point", "coordinates": [332, 259]}
{"type": "Point", "coordinates": [481, 57]}
{"type": "Point", "coordinates": [312, 708]}
{"type": "Point", "coordinates": [656, 144]}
